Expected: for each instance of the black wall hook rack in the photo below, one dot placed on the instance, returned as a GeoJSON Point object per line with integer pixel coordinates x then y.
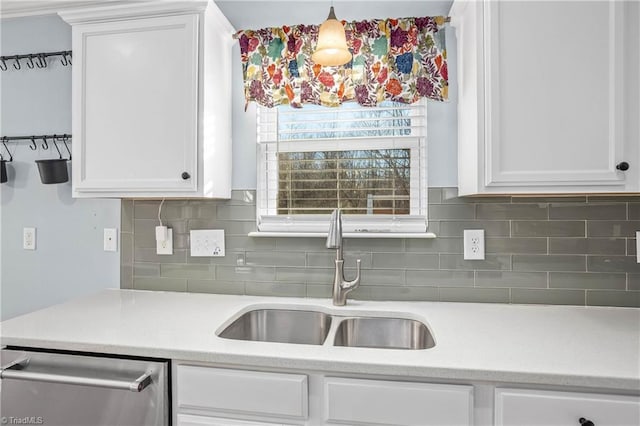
{"type": "Point", "coordinates": [33, 60]}
{"type": "Point", "coordinates": [64, 138]}
{"type": "Point", "coordinates": [30, 138]}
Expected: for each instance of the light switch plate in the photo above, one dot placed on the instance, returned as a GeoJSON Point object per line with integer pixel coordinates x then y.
{"type": "Point", "coordinates": [110, 239]}
{"type": "Point", "coordinates": [207, 243]}
{"type": "Point", "coordinates": [474, 244]}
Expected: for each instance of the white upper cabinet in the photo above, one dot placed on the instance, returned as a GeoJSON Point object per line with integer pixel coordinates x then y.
{"type": "Point", "coordinates": [547, 92]}
{"type": "Point", "coordinates": [151, 100]}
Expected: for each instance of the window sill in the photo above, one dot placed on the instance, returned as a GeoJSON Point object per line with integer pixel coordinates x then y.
{"type": "Point", "coordinates": [346, 234]}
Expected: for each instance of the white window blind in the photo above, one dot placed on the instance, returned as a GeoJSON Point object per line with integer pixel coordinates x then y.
{"type": "Point", "coordinates": [370, 162]}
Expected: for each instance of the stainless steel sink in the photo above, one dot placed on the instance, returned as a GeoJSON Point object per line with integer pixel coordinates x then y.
{"type": "Point", "coordinates": [388, 333]}
{"type": "Point", "coordinates": [280, 325]}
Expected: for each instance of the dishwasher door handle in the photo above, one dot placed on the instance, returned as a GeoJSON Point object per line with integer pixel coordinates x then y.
{"type": "Point", "coordinates": [16, 371]}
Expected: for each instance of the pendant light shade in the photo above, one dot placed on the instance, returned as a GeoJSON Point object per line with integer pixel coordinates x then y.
{"type": "Point", "coordinates": [331, 49]}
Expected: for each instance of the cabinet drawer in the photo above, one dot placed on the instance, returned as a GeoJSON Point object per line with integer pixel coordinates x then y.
{"type": "Point", "coordinates": [240, 391]}
{"type": "Point", "coordinates": [188, 420]}
{"type": "Point", "coordinates": [377, 402]}
{"type": "Point", "coordinates": [535, 407]}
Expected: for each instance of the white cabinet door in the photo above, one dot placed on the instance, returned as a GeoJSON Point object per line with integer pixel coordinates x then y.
{"type": "Point", "coordinates": [135, 105]}
{"type": "Point", "coordinates": [378, 402]}
{"type": "Point", "coordinates": [542, 97]}
{"type": "Point", "coordinates": [534, 407]}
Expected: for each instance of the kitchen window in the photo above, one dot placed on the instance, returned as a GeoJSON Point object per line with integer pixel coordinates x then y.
{"type": "Point", "coordinates": [368, 161]}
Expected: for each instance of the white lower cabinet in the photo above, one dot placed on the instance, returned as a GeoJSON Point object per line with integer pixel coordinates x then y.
{"type": "Point", "coordinates": [382, 402]}
{"type": "Point", "coordinates": [210, 395]}
{"type": "Point", "coordinates": [538, 407]}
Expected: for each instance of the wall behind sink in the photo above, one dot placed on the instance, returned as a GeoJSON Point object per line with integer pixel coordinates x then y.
{"type": "Point", "coordinates": [555, 250]}
{"type": "Point", "coordinates": [68, 260]}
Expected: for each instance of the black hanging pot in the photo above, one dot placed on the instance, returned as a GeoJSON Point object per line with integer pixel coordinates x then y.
{"type": "Point", "coordinates": [3, 162]}
{"type": "Point", "coordinates": [3, 171]}
{"type": "Point", "coordinates": [53, 171]}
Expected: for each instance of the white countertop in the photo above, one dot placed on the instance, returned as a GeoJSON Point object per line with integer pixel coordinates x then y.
{"type": "Point", "coordinates": [535, 344]}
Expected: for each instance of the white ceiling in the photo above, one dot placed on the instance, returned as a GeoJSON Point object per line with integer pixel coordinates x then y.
{"type": "Point", "coordinates": [255, 14]}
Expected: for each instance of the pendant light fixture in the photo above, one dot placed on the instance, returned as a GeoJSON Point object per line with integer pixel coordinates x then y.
{"type": "Point", "coordinates": [331, 49]}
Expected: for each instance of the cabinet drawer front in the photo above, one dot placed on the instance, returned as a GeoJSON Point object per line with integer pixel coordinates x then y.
{"type": "Point", "coordinates": [240, 391]}
{"type": "Point", "coordinates": [535, 407]}
{"type": "Point", "coordinates": [189, 420]}
{"type": "Point", "coordinates": [376, 402]}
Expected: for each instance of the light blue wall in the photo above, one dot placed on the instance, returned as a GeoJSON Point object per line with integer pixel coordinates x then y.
{"type": "Point", "coordinates": [442, 132]}
{"type": "Point", "coordinates": [69, 260]}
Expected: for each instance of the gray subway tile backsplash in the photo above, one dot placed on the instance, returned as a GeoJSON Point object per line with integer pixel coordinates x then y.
{"type": "Point", "coordinates": [475, 295]}
{"type": "Point", "coordinates": [587, 246]}
{"type": "Point", "coordinates": [590, 281]}
{"type": "Point", "coordinates": [612, 264]}
{"type": "Point", "coordinates": [548, 250]}
{"type": "Point", "coordinates": [629, 299]}
{"type": "Point", "coordinates": [633, 282]}
{"type": "Point", "coordinates": [595, 211]}
{"type": "Point", "coordinates": [492, 228]}
{"type": "Point", "coordinates": [613, 228]}
{"type": "Point", "coordinates": [440, 278]}
{"type": "Point", "coordinates": [511, 279]}
{"type": "Point", "coordinates": [548, 297]}
{"type": "Point", "coordinates": [531, 211]}
{"type": "Point", "coordinates": [215, 286]}
{"type": "Point", "coordinates": [405, 260]}
{"type": "Point", "coordinates": [554, 262]}
{"type": "Point", "coordinates": [516, 245]}
{"type": "Point", "coordinates": [547, 228]}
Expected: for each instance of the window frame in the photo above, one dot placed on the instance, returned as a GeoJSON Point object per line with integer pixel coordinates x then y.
{"type": "Point", "coordinates": [267, 219]}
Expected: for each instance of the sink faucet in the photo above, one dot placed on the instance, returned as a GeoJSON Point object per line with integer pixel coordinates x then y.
{"type": "Point", "coordinates": [334, 241]}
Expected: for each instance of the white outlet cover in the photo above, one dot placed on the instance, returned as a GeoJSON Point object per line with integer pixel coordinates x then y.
{"type": "Point", "coordinates": [207, 243]}
{"type": "Point", "coordinates": [110, 239]}
{"type": "Point", "coordinates": [29, 238]}
{"type": "Point", "coordinates": [165, 247]}
{"type": "Point", "coordinates": [474, 244]}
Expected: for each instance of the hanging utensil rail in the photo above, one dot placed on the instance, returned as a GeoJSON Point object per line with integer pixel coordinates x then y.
{"type": "Point", "coordinates": [40, 59]}
{"type": "Point", "coordinates": [64, 138]}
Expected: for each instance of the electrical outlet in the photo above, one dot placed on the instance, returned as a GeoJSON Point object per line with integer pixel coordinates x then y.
{"type": "Point", "coordinates": [29, 238]}
{"type": "Point", "coordinates": [110, 239]}
{"type": "Point", "coordinates": [207, 243]}
{"type": "Point", "coordinates": [474, 244]}
{"type": "Point", "coordinates": [165, 246]}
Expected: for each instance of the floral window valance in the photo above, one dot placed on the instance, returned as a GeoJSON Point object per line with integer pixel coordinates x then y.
{"type": "Point", "coordinates": [400, 60]}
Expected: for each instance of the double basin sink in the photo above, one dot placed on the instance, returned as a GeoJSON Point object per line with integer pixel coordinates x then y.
{"type": "Point", "coordinates": [312, 328]}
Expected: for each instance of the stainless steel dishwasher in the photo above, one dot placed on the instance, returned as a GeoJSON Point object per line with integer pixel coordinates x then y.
{"type": "Point", "coordinates": [64, 389]}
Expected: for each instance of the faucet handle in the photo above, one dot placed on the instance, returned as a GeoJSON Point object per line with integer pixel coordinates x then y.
{"type": "Point", "coordinates": [334, 236]}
